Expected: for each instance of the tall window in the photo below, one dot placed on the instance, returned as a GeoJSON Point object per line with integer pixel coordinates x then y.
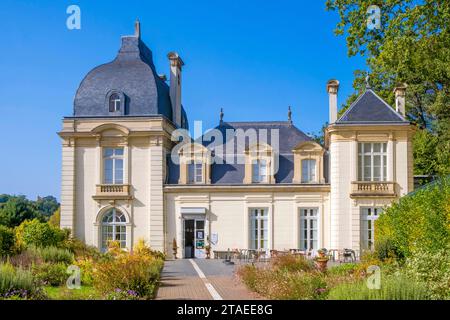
{"type": "Point", "coordinates": [259, 171]}
{"type": "Point", "coordinates": [308, 170]}
{"type": "Point", "coordinates": [372, 161]}
{"type": "Point", "coordinates": [114, 102]}
{"type": "Point", "coordinates": [259, 229]}
{"type": "Point", "coordinates": [114, 228]}
{"type": "Point", "coordinates": [368, 217]}
{"type": "Point", "coordinates": [309, 239]}
{"type": "Point", "coordinates": [195, 172]}
{"type": "Point", "coordinates": [113, 165]}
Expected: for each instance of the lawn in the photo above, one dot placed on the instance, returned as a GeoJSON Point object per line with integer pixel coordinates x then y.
{"type": "Point", "coordinates": [64, 293]}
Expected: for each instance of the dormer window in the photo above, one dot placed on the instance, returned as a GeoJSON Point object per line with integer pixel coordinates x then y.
{"type": "Point", "coordinates": [308, 163]}
{"type": "Point", "coordinates": [195, 172]}
{"type": "Point", "coordinates": [195, 164]}
{"type": "Point", "coordinates": [259, 171]}
{"type": "Point", "coordinates": [114, 102]}
{"type": "Point", "coordinates": [308, 170]}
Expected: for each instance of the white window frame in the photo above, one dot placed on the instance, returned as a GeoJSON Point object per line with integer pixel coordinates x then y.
{"type": "Point", "coordinates": [308, 218]}
{"type": "Point", "coordinates": [310, 175]}
{"type": "Point", "coordinates": [362, 153]}
{"type": "Point", "coordinates": [116, 102]}
{"type": "Point", "coordinates": [256, 215]}
{"type": "Point", "coordinates": [114, 157]}
{"type": "Point", "coordinates": [368, 216]}
{"type": "Point", "coordinates": [197, 172]}
{"type": "Point", "coordinates": [260, 175]}
{"type": "Point", "coordinates": [113, 225]}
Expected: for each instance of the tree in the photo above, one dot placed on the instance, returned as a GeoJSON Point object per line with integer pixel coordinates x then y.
{"type": "Point", "coordinates": [411, 46]}
{"type": "Point", "coordinates": [18, 209]}
{"type": "Point", "coordinates": [47, 205]}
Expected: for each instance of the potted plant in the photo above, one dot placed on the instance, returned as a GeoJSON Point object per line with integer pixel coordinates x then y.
{"type": "Point", "coordinates": [208, 251]}
{"type": "Point", "coordinates": [322, 259]}
{"type": "Point", "coordinates": [174, 248]}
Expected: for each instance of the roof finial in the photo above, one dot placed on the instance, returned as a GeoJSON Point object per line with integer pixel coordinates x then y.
{"type": "Point", "coordinates": [368, 81]}
{"type": "Point", "coordinates": [289, 114]}
{"type": "Point", "coordinates": [137, 28]}
{"type": "Point", "coordinates": [221, 115]}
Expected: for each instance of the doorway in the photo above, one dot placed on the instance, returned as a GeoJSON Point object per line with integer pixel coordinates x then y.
{"type": "Point", "coordinates": [189, 238]}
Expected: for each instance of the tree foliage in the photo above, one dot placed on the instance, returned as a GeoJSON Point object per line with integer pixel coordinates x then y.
{"type": "Point", "coordinates": [420, 221]}
{"type": "Point", "coordinates": [412, 46]}
{"type": "Point", "coordinates": [16, 209]}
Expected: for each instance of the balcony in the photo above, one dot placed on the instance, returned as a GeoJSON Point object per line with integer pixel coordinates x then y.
{"type": "Point", "coordinates": [373, 189]}
{"type": "Point", "coordinates": [112, 192]}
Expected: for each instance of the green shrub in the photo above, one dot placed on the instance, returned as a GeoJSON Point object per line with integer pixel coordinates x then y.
{"type": "Point", "coordinates": [385, 249]}
{"type": "Point", "coordinates": [394, 287]}
{"type": "Point", "coordinates": [52, 254]}
{"type": "Point", "coordinates": [53, 274]}
{"type": "Point", "coordinates": [136, 272]}
{"type": "Point", "coordinates": [17, 283]}
{"type": "Point", "coordinates": [6, 241]}
{"type": "Point", "coordinates": [433, 269]}
{"type": "Point", "coordinates": [39, 234]}
{"type": "Point", "coordinates": [418, 221]}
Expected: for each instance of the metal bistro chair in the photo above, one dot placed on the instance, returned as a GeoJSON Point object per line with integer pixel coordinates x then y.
{"type": "Point", "coordinates": [349, 254]}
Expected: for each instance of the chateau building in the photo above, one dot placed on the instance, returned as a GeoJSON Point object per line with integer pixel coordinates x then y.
{"type": "Point", "coordinates": [129, 173]}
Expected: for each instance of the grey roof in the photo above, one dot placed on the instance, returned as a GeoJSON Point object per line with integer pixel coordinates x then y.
{"type": "Point", "coordinates": [131, 73]}
{"type": "Point", "coordinates": [232, 173]}
{"type": "Point", "coordinates": [370, 108]}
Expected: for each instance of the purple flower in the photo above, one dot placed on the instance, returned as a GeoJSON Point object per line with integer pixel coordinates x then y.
{"type": "Point", "coordinates": [132, 293]}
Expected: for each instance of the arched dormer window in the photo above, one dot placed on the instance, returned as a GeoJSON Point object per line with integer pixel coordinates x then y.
{"type": "Point", "coordinates": [114, 102]}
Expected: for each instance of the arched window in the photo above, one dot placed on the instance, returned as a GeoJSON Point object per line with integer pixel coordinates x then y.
{"type": "Point", "coordinates": [114, 102]}
{"type": "Point", "coordinates": [114, 228]}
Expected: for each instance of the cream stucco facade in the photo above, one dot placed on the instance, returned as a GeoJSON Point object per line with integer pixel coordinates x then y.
{"type": "Point", "coordinates": [120, 182]}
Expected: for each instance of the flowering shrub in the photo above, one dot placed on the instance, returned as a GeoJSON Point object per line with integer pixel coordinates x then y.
{"type": "Point", "coordinates": [433, 269]}
{"type": "Point", "coordinates": [291, 262]}
{"type": "Point", "coordinates": [137, 271]}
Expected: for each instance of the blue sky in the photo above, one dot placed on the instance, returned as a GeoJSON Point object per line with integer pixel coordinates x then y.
{"type": "Point", "coordinates": [253, 58]}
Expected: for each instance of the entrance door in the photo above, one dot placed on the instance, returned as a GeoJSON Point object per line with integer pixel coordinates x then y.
{"type": "Point", "coordinates": [189, 237]}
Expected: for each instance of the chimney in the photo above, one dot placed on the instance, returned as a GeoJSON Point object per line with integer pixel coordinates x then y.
{"type": "Point", "coordinates": [175, 86]}
{"type": "Point", "coordinates": [137, 29]}
{"type": "Point", "coordinates": [400, 93]}
{"type": "Point", "coordinates": [332, 89]}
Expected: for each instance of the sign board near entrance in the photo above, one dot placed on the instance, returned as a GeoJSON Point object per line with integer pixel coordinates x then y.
{"type": "Point", "coordinates": [214, 238]}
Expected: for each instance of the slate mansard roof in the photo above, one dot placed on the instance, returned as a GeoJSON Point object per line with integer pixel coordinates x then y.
{"type": "Point", "coordinates": [369, 108]}
{"type": "Point", "coordinates": [131, 73]}
{"type": "Point", "coordinates": [233, 173]}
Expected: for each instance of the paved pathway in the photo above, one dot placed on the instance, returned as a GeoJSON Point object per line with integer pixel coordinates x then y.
{"type": "Point", "coordinates": [201, 279]}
